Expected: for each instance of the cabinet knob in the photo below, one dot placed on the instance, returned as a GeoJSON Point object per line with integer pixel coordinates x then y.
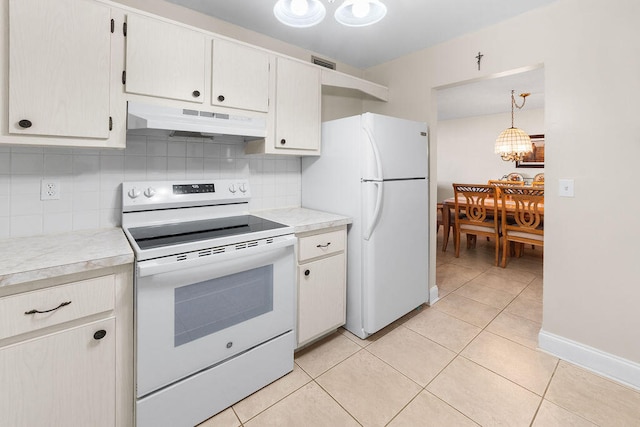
{"type": "Point", "coordinates": [283, 141]}
{"type": "Point", "coordinates": [98, 335]}
{"type": "Point", "coordinates": [220, 98]}
{"type": "Point", "coordinates": [307, 272]}
{"type": "Point", "coordinates": [25, 124]}
{"type": "Point", "coordinates": [196, 93]}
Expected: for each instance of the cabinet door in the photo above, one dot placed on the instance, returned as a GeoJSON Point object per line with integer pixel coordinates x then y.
{"type": "Point", "coordinates": [240, 76]}
{"type": "Point", "coordinates": [297, 106]}
{"type": "Point", "coordinates": [164, 60]}
{"type": "Point", "coordinates": [321, 297]}
{"type": "Point", "coordinates": [62, 379]}
{"type": "Point", "coordinates": [59, 68]}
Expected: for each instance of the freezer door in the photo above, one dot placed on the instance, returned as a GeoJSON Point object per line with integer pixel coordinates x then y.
{"type": "Point", "coordinates": [400, 147]}
{"type": "Point", "coordinates": [395, 257]}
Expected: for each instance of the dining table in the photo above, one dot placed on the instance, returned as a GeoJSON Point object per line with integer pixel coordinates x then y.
{"type": "Point", "coordinates": [448, 205]}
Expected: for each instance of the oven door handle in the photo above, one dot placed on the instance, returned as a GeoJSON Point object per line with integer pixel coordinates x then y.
{"type": "Point", "coordinates": [169, 264]}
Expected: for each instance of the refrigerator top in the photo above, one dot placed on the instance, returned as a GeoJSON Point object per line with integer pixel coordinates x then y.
{"type": "Point", "coordinates": [393, 148]}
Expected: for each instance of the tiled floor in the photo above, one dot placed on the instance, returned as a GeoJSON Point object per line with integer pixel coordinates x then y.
{"type": "Point", "coordinates": [471, 359]}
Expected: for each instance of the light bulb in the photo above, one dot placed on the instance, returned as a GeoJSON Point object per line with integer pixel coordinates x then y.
{"type": "Point", "coordinates": [299, 7]}
{"type": "Point", "coordinates": [360, 8]}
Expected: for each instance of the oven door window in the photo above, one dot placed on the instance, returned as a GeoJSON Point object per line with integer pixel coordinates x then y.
{"type": "Point", "coordinates": [207, 307]}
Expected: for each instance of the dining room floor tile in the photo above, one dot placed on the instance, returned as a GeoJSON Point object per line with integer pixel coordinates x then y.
{"type": "Point", "coordinates": [368, 388]}
{"type": "Point", "coordinates": [323, 355]}
{"type": "Point", "coordinates": [410, 353]}
{"type": "Point", "coordinates": [467, 310]}
{"type": "Point", "coordinates": [528, 368]}
{"type": "Point", "coordinates": [597, 399]}
{"type": "Point", "coordinates": [461, 362]}
{"type": "Point", "coordinates": [484, 396]}
{"type": "Point", "coordinates": [444, 329]}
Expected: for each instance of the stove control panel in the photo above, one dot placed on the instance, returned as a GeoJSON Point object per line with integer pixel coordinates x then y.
{"type": "Point", "coordinates": [150, 195]}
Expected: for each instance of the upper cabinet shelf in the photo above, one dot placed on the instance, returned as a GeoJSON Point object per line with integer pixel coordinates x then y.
{"type": "Point", "coordinates": [341, 80]}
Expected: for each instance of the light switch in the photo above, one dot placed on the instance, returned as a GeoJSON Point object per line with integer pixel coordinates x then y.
{"type": "Point", "coordinates": [566, 188]}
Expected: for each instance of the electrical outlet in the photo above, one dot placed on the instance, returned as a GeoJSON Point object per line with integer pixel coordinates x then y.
{"type": "Point", "coordinates": [49, 190]}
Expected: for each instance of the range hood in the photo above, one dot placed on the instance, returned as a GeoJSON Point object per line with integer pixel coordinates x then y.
{"type": "Point", "coordinates": [146, 119]}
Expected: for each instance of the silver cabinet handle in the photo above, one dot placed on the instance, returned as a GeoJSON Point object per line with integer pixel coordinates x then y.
{"type": "Point", "coordinates": [34, 311]}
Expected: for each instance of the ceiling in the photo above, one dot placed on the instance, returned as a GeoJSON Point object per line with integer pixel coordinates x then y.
{"type": "Point", "coordinates": [491, 96]}
{"type": "Point", "coordinates": [410, 25]}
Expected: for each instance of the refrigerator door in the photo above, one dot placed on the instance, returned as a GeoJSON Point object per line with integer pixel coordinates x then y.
{"type": "Point", "coordinates": [395, 257]}
{"type": "Point", "coordinates": [395, 148]}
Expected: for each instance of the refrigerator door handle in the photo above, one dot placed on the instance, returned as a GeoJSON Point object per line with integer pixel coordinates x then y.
{"type": "Point", "coordinates": [376, 211]}
{"type": "Point", "coordinates": [376, 153]}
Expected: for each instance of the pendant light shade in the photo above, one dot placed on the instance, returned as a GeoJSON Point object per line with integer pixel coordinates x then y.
{"type": "Point", "coordinates": [299, 13]}
{"type": "Point", "coordinates": [513, 143]}
{"type": "Point", "coordinates": [360, 13]}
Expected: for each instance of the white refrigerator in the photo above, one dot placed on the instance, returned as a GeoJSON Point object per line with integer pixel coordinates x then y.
{"type": "Point", "coordinates": [374, 169]}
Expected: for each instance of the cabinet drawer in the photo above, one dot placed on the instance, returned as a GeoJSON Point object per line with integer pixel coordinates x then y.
{"type": "Point", "coordinates": [321, 244]}
{"type": "Point", "coordinates": [84, 298]}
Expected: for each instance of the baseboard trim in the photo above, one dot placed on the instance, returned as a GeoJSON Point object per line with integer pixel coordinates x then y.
{"type": "Point", "coordinates": [433, 296]}
{"type": "Point", "coordinates": [608, 365]}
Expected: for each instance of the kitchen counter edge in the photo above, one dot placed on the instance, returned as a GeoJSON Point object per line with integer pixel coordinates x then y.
{"type": "Point", "coordinates": [304, 220]}
{"type": "Point", "coordinates": [28, 259]}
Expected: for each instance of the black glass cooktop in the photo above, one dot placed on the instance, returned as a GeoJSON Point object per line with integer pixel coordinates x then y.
{"type": "Point", "coordinates": [155, 236]}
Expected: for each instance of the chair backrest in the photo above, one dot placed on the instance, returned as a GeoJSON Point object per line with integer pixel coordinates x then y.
{"type": "Point", "coordinates": [526, 213]}
{"type": "Point", "coordinates": [505, 183]}
{"type": "Point", "coordinates": [475, 204]}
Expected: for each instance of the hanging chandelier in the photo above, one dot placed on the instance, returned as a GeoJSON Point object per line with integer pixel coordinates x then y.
{"type": "Point", "coordinates": [513, 144]}
{"type": "Point", "coordinates": [307, 13]}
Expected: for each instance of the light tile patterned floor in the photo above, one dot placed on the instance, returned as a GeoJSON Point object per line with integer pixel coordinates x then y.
{"type": "Point", "coordinates": [469, 360]}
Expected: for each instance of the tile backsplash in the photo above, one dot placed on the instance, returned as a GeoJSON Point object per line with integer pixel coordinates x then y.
{"type": "Point", "coordinates": [90, 179]}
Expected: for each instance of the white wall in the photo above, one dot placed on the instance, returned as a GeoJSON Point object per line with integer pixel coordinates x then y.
{"type": "Point", "coordinates": [591, 63]}
{"type": "Point", "coordinates": [465, 149]}
{"type": "Point", "coordinates": [90, 179]}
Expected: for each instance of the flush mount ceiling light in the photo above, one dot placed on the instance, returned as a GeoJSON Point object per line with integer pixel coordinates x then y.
{"type": "Point", "coordinates": [360, 13]}
{"type": "Point", "coordinates": [513, 144]}
{"type": "Point", "coordinates": [299, 13]}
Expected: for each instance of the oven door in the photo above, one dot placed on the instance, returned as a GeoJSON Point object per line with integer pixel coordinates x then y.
{"type": "Point", "coordinates": [194, 313]}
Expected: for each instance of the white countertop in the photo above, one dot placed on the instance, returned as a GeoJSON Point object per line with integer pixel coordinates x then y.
{"type": "Point", "coordinates": [26, 259]}
{"type": "Point", "coordinates": [303, 219]}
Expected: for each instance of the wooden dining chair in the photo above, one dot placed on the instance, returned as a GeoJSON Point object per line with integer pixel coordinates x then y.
{"type": "Point", "coordinates": [522, 217]}
{"type": "Point", "coordinates": [505, 183]}
{"type": "Point", "coordinates": [441, 222]}
{"type": "Point", "coordinates": [476, 213]}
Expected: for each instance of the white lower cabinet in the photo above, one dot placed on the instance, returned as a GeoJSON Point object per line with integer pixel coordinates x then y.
{"type": "Point", "coordinates": [322, 270]}
{"type": "Point", "coordinates": [66, 355]}
{"type": "Point", "coordinates": [61, 379]}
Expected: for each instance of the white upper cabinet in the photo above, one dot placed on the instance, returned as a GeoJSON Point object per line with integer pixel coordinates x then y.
{"type": "Point", "coordinates": [164, 60]}
{"type": "Point", "coordinates": [239, 76]}
{"type": "Point", "coordinates": [59, 68]}
{"type": "Point", "coordinates": [298, 94]}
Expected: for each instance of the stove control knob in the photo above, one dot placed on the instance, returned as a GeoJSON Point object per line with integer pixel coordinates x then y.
{"type": "Point", "coordinates": [242, 188]}
{"type": "Point", "coordinates": [150, 192]}
{"type": "Point", "coordinates": [133, 193]}
{"type": "Point", "coordinates": [232, 188]}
